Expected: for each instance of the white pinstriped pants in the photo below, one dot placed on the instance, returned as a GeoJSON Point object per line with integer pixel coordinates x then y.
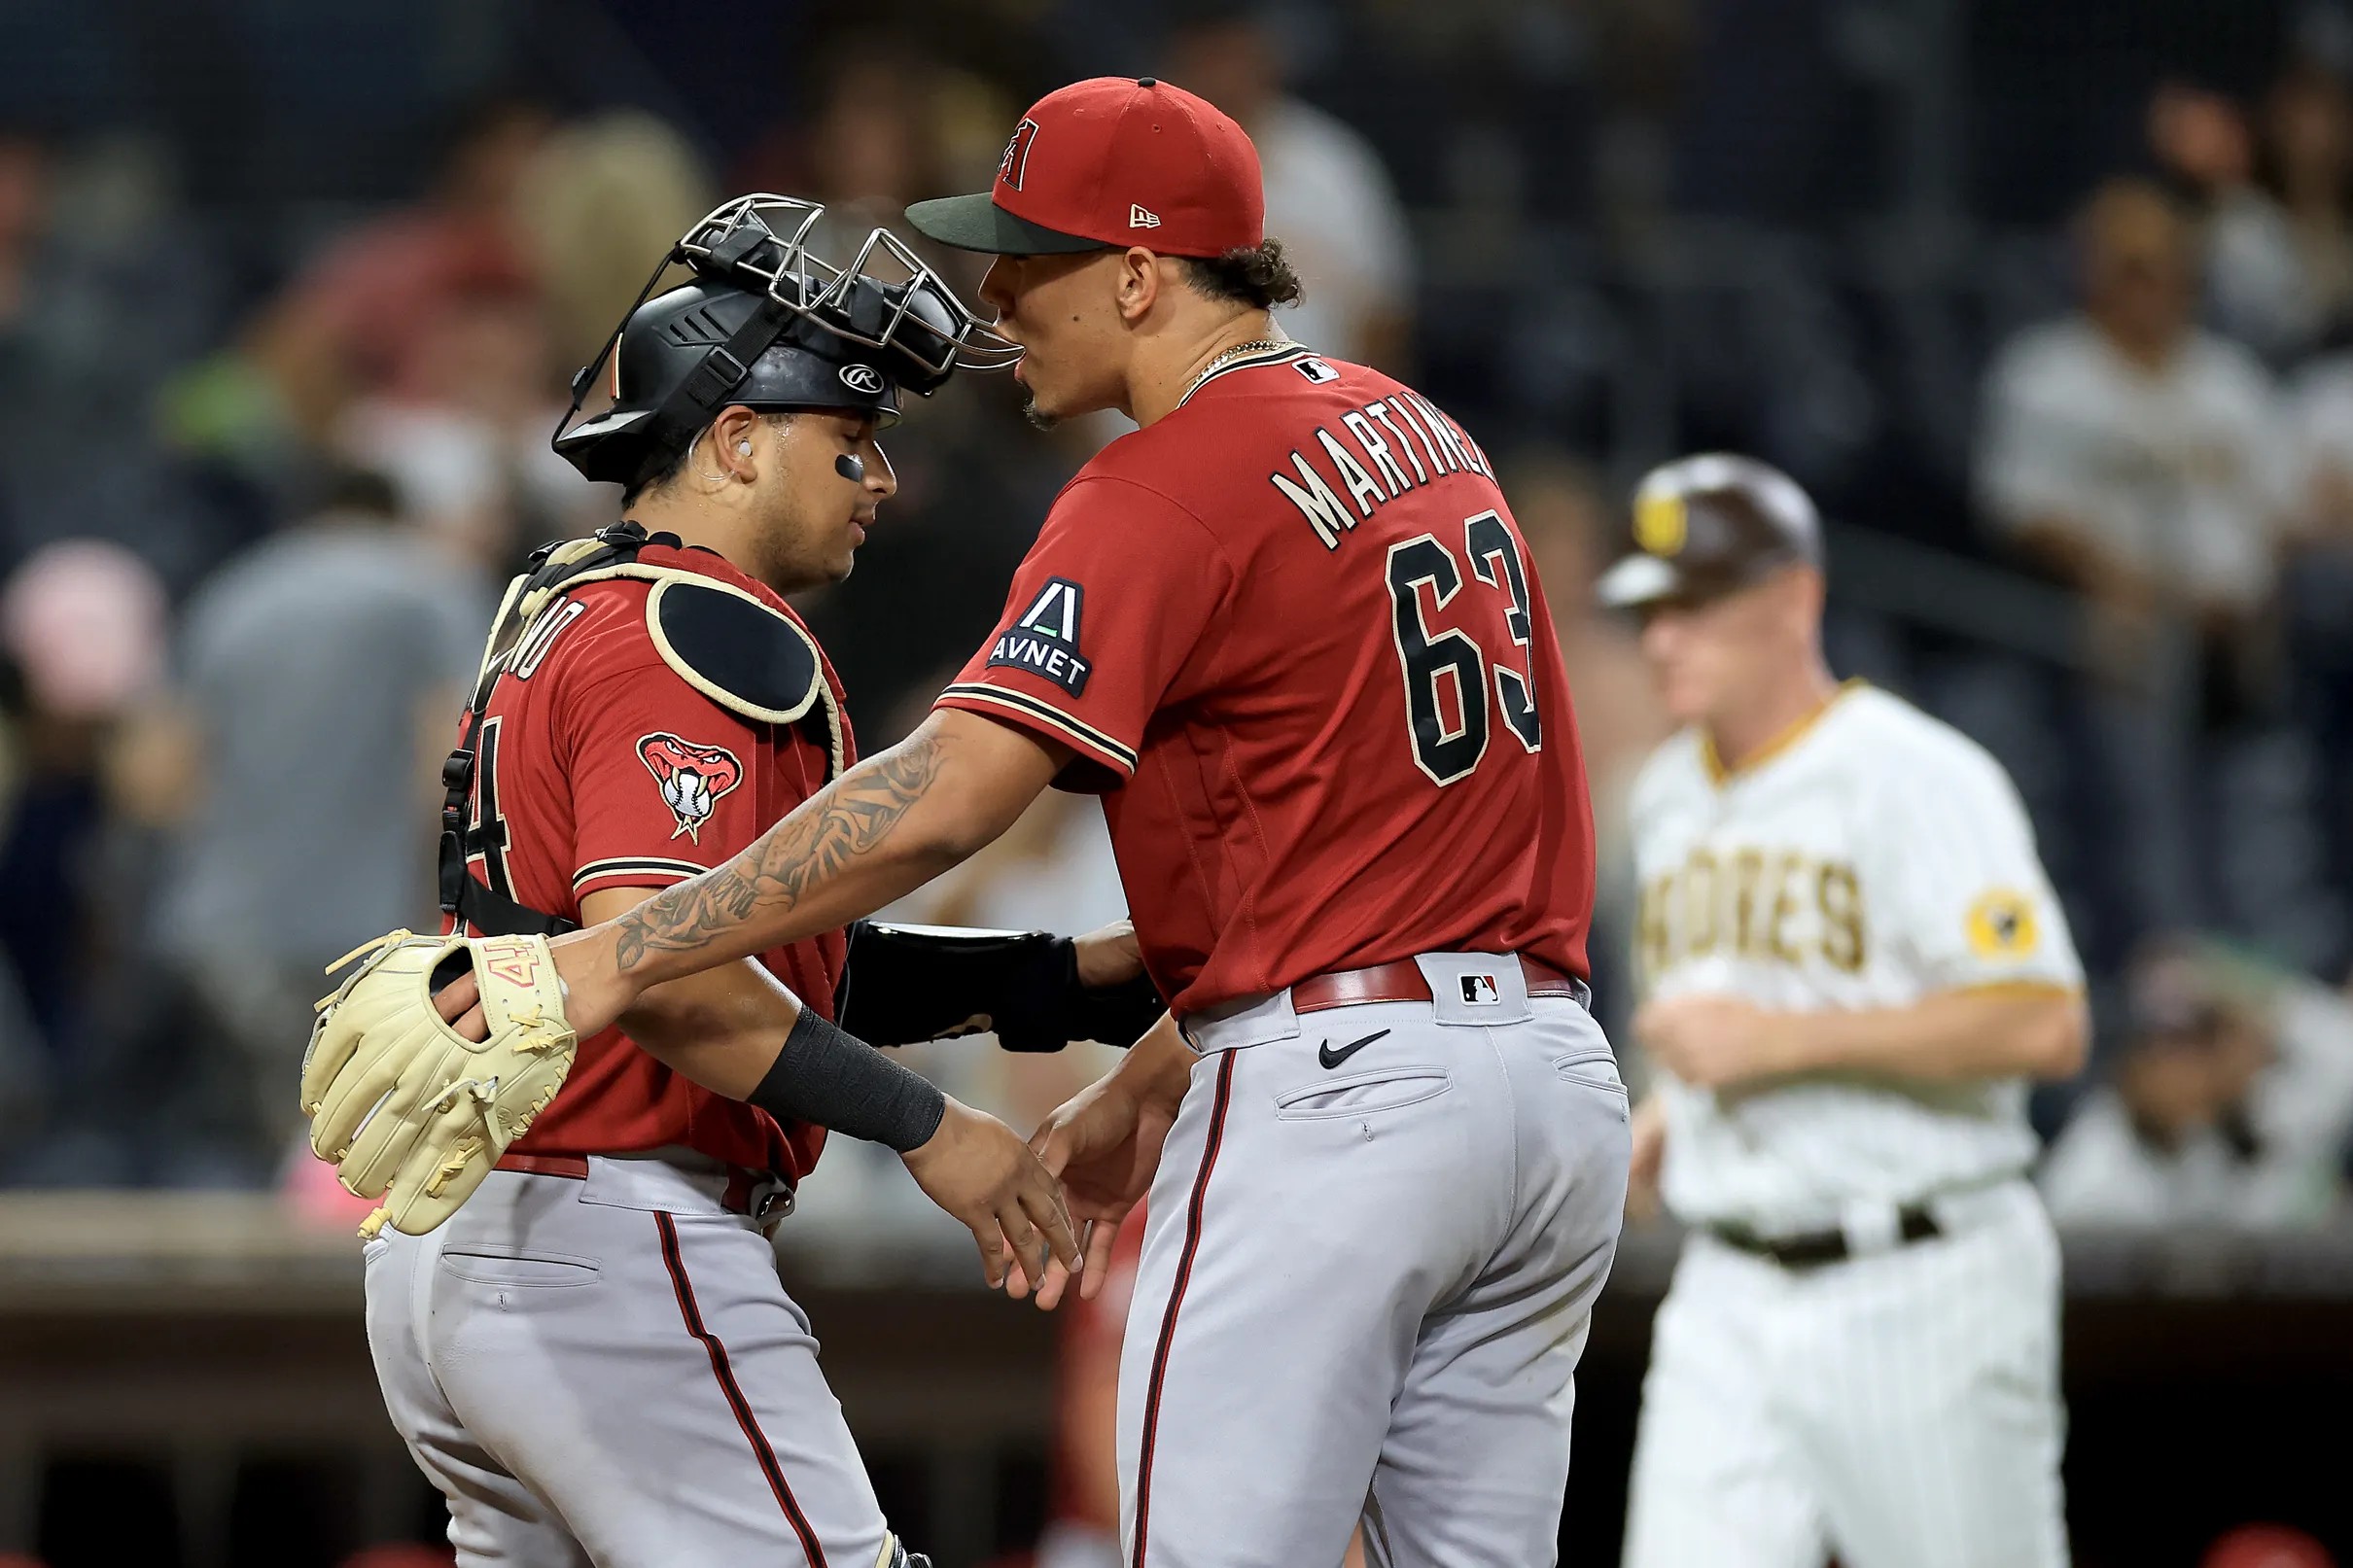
{"type": "Point", "coordinates": [1900, 1410]}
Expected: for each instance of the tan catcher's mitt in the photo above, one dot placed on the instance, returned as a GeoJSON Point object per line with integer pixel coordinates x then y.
{"type": "Point", "coordinates": [407, 1110]}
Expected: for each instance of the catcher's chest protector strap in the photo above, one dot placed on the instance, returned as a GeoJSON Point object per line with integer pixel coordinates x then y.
{"type": "Point", "coordinates": [553, 567]}
{"type": "Point", "coordinates": [736, 649]}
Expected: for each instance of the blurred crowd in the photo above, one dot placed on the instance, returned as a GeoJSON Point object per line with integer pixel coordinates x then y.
{"type": "Point", "coordinates": [2085, 426]}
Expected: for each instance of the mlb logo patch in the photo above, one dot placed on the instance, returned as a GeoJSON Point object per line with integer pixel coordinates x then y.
{"type": "Point", "coordinates": [1316, 372]}
{"type": "Point", "coordinates": [1481, 990]}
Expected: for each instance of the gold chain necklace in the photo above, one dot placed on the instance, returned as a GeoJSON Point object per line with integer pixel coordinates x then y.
{"type": "Point", "coordinates": [1255, 345]}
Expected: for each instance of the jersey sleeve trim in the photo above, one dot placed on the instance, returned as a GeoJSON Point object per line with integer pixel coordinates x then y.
{"type": "Point", "coordinates": [632, 871]}
{"type": "Point", "coordinates": [1035, 713]}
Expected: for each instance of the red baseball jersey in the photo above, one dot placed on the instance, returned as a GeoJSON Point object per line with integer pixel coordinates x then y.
{"type": "Point", "coordinates": [600, 766]}
{"type": "Point", "coordinates": [1293, 633]}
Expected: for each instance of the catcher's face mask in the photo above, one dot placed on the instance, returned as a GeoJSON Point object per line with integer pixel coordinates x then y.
{"type": "Point", "coordinates": [768, 324]}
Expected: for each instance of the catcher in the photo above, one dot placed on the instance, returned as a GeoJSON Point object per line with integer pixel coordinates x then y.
{"type": "Point", "coordinates": [594, 1359]}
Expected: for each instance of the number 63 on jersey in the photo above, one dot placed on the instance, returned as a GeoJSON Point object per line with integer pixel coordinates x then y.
{"type": "Point", "coordinates": [1455, 688]}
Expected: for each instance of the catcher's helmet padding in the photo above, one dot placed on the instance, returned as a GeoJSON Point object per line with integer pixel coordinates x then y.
{"type": "Point", "coordinates": [769, 324]}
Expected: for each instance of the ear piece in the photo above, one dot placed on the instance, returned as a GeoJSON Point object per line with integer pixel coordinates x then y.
{"type": "Point", "coordinates": [744, 447]}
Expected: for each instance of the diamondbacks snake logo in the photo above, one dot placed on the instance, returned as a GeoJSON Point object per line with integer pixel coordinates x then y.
{"type": "Point", "coordinates": [692, 777]}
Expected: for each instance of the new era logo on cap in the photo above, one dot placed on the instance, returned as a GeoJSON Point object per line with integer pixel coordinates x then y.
{"type": "Point", "coordinates": [1140, 216]}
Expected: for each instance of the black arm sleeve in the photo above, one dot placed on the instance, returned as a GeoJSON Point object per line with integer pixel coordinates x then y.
{"type": "Point", "coordinates": [909, 983]}
{"type": "Point", "coordinates": [827, 1075]}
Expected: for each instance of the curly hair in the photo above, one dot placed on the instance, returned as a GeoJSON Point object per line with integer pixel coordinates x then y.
{"type": "Point", "coordinates": [1260, 276]}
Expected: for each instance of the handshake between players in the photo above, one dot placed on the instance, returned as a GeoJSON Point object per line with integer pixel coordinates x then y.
{"type": "Point", "coordinates": [415, 1110]}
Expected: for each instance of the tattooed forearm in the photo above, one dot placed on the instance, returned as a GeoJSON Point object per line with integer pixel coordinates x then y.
{"type": "Point", "coordinates": [759, 888]}
{"type": "Point", "coordinates": [711, 902]}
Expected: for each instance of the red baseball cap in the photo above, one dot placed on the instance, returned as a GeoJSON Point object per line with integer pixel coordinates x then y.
{"type": "Point", "coordinates": [1109, 162]}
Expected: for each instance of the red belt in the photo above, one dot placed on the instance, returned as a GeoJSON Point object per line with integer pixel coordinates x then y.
{"type": "Point", "coordinates": [1404, 982]}
{"type": "Point", "coordinates": [736, 1200]}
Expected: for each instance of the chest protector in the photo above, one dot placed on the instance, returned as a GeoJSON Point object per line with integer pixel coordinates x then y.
{"type": "Point", "coordinates": [743, 653]}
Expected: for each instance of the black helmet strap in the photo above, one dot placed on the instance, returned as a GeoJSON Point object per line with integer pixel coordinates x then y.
{"type": "Point", "coordinates": [586, 376]}
{"type": "Point", "coordinates": [484, 905]}
{"type": "Point", "coordinates": [697, 400]}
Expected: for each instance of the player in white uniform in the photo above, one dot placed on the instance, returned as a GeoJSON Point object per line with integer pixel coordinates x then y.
{"type": "Point", "coordinates": [1851, 962]}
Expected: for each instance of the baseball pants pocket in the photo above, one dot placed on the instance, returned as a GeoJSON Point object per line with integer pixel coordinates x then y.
{"type": "Point", "coordinates": [1362, 1094]}
{"type": "Point", "coordinates": [1592, 1069]}
{"type": "Point", "coordinates": [495, 1520]}
{"type": "Point", "coordinates": [525, 1270]}
{"type": "Point", "coordinates": [673, 1413]}
{"type": "Point", "coordinates": [1300, 1226]}
{"type": "Point", "coordinates": [1476, 1458]}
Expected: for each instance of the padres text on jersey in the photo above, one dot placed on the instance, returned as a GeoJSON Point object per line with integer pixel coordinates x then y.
{"type": "Point", "coordinates": [1873, 859]}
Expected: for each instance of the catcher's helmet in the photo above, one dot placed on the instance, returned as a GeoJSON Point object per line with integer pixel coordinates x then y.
{"type": "Point", "coordinates": [1704, 526]}
{"type": "Point", "coordinates": [769, 324]}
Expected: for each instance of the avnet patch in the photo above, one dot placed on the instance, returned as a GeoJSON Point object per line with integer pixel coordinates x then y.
{"type": "Point", "coordinates": [1045, 640]}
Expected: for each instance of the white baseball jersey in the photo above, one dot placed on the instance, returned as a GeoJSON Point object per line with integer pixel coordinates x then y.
{"type": "Point", "coordinates": [1870, 859]}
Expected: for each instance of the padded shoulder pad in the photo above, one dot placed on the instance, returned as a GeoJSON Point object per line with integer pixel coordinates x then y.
{"type": "Point", "coordinates": [735, 651]}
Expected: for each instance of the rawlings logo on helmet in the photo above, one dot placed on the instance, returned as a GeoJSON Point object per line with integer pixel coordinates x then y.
{"type": "Point", "coordinates": [692, 777]}
{"type": "Point", "coordinates": [862, 379]}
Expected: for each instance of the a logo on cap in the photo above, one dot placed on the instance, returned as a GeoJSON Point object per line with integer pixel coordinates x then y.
{"type": "Point", "coordinates": [1661, 523]}
{"type": "Point", "coordinates": [1142, 217]}
{"type": "Point", "coordinates": [1017, 153]}
{"type": "Point", "coordinates": [862, 379]}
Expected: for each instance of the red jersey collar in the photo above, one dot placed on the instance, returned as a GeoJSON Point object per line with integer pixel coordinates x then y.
{"type": "Point", "coordinates": [1284, 353]}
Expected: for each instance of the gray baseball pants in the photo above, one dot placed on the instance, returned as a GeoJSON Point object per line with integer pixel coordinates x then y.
{"type": "Point", "coordinates": [610, 1372]}
{"type": "Point", "coordinates": [1365, 1284]}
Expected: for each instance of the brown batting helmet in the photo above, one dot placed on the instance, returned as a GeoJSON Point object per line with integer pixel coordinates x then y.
{"type": "Point", "coordinates": [1707, 525]}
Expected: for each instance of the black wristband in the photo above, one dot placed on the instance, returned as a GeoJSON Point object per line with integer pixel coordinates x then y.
{"type": "Point", "coordinates": [832, 1078]}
